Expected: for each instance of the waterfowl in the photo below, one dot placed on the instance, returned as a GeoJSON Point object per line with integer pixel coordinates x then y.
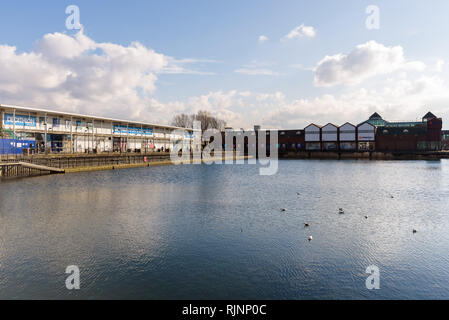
{"type": "Point", "coordinates": [283, 209]}
{"type": "Point", "coordinates": [341, 211]}
{"type": "Point", "coordinates": [310, 238]}
{"type": "Point", "coordinates": [414, 231]}
{"type": "Point", "coordinates": [366, 217]}
{"type": "Point", "coordinates": [306, 224]}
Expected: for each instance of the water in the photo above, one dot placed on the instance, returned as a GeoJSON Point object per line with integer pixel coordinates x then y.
{"type": "Point", "coordinates": [217, 232]}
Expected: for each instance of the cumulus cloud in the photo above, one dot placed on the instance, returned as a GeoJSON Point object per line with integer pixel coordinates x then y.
{"type": "Point", "coordinates": [78, 74]}
{"type": "Point", "coordinates": [365, 61]}
{"type": "Point", "coordinates": [397, 98]}
{"type": "Point", "coordinates": [263, 39]}
{"type": "Point", "coordinates": [300, 32]}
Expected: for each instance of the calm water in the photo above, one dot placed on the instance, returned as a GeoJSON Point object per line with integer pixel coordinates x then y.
{"type": "Point", "coordinates": [217, 232]}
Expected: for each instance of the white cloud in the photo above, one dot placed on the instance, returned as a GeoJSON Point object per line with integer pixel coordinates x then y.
{"type": "Point", "coordinates": [75, 73]}
{"type": "Point", "coordinates": [263, 39]}
{"type": "Point", "coordinates": [365, 61]}
{"type": "Point", "coordinates": [397, 98]}
{"type": "Point", "coordinates": [256, 68]}
{"type": "Point", "coordinates": [256, 72]}
{"type": "Point", "coordinates": [300, 32]}
{"type": "Point", "coordinates": [439, 65]}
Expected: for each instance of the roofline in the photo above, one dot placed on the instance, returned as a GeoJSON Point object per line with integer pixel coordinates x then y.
{"type": "Point", "coordinates": [26, 109]}
{"type": "Point", "coordinates": [330, 123]}
{"type": "Point", "coordinates": [366, 122]}
{"type": "Point", "coordinates": [348, 123]}
{"type": "Point", "coordinates": [313, 124]}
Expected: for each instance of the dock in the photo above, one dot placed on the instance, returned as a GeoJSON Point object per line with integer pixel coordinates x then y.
{"type": "Point", "coordinates": [25, 169]}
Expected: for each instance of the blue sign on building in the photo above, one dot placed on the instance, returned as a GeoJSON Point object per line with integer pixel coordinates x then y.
{"type": "Point", "coordinates": [13, 146]}
{"type": "Point", "coordinates": [25, 121]}
{"type": "Point", "coordinates": [133, 130]}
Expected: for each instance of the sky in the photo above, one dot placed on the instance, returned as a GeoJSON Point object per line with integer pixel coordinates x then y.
{"type": "Point", "coordinates": [280, 64]}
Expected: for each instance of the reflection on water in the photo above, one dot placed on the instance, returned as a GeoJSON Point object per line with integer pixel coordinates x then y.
{"type": "Point", "coordinates": [217, 232]}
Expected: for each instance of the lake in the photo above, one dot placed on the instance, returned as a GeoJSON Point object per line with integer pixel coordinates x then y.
{"type": "Point", "coordinates": [218, 232]}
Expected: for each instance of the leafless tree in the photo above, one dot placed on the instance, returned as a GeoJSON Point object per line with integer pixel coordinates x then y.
{"type": "Point", "coordinates": [182, 120]}
{"type": "Point", "coordinates": [207, 121]}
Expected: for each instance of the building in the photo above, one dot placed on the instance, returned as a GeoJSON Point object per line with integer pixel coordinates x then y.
{"type": "Point", "coordinates": [366, 136]}
{"type": "Point", "coordinates": [62, 132]}
{"type": "Point", "coordinates": [374, 134]}
{"type": "Point", "coordinates": [291, 140]}
{"type": "Point", "coordinates": [445, 140]}
{"type": "Point", "coordinates": [329, 137]}
{"type": "Point", "coordinates": [408, 136]}
{"type": "Point", "coordinates": [347, 136]}
{"type": "Point", "coordinates": [312, 137]}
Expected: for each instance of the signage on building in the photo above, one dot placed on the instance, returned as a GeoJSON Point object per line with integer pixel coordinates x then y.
{"type": "Point", "coordinates": [25, 121]}
{"type": "Point", "coordinates": [133, 130]}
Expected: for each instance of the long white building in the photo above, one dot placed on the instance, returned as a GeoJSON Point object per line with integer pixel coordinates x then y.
{"type": "Point", "coordinates": [56, 131]}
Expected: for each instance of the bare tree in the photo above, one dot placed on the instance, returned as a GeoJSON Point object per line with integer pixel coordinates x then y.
{"type": "Point", "coordinates": [182, 120]}
{"type": "Point", "coordinates": [207, 121]}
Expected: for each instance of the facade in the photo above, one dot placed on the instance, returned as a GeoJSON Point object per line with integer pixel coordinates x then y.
{"type": "Point", "coordinates": [61, 132]}
{"type": "Point", "coordinates": [312, 137]}
{"type": "Point", "coordinates": [445, 140]}
{"type": "Point", "coordinates": [366, 136]}
{"type": "Point", "coordinates": [291, 140]}
{"type": "Point", "coordinates": [377, 134]}
{"type": "Point", "coordinates": [347, 136]}
{"type": "Point", "coordinates": [329, 137]}
{"type": "Point", "coordinates": [410, 136]}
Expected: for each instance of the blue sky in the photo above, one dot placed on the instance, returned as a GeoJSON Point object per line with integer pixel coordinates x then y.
{"type": "Point", "coordinates": [230, 71]}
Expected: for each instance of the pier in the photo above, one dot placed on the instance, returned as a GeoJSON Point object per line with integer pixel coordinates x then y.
{"type": "Point", "coordinates": [24, 169]}
{"type": "Point", "coordinates": [33, 165]}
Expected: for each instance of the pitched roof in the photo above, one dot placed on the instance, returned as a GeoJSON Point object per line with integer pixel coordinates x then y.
{"type": "Point", "coordinates": [375, 115]}
{"type": "Point", "coordinates": [429, 115]}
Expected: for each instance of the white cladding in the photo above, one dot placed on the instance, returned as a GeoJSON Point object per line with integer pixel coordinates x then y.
{"type": "Point", "coordinates": [312, 133]}
{"type": "Point", "coordinates": [80, 132]}
{"type": "Point", "coordinates": [366, 132]}
{"type": "Point", "coordinates": [348, 132]}
{"type": "Point", "coordinates": [329, 132]}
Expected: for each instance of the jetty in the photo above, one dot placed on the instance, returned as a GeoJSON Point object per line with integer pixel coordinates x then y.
{"type": "Point", "coordinates": [24, 169]}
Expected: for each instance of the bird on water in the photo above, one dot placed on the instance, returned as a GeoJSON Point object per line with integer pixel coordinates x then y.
{"type": "Point", "coordinates": [341, 211]}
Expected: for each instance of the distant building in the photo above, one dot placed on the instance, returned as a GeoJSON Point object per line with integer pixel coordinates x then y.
{"type": "Point", "coordinates": [56, 132]}
{"type": "Point", "coordinates": [374, 134]}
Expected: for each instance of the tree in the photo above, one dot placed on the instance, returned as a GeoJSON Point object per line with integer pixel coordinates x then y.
{"type": "Point", "coordinates": [207, 121]}
{"type": "Point", "coordinates": [183, 121]}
